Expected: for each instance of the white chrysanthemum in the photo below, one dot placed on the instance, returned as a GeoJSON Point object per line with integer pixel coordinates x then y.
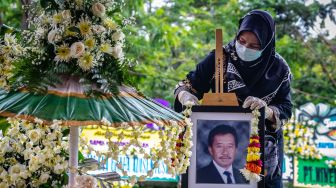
{"type": "Point", "coordinates": [89, 43]}
{"type": "Point", "coordinates": [57, 18]}
{"type": "Point", "coordinates": [84, 27]}
{"type": "Point", "coordinates": [63, 53]}
{"type": "Point", "coordinates": [77, 49]}
{"type": "Point", "coordinates": [86, 61]}
{"type": "Point", "coordinates": [9, 39]}
{"type": "Point", "coordinates": [108, 22]}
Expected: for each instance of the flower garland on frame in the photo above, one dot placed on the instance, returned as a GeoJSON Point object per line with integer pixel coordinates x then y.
{"type": "Point", "coordinates": [253, 165]}
{"type": "Point", "coordinates": [173, 149]}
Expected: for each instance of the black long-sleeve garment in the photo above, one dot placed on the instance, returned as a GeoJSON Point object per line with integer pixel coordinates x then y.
{"type": "Point", "coordinates": [275, 91]}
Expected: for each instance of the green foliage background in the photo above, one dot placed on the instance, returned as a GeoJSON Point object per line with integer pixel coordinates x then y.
{"type": "Point", "coordinates": [171, 37]}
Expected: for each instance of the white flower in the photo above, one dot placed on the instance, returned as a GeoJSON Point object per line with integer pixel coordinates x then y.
{"type": "Point", "coordinates": [77, 49]}
{"type": "Point", "coordinates": [33, 164]}
{"type": "Point", "coordinates": [98, 9]}
{"type": "Point", "coordinates": [57, 18]}
{"type": "Point", "coordinates": [53, 36]}
{"type": "Point", "coordinates": [86, 61]}
{"type": "Point", "coordinates": [117, 52]}
{"type": "Point", "coordinates": [106, 48]}
{"type": "Point", "coordinates": [86, 181]}
{"type": "Point", "coordinates": [27, 154]}
{"type": "Point", "coordinates": [44, 178]}
{"type": "Point", "coordinates": [59, 168]}
{"type": "Point", "coordinates": [118, 36]}
{"type": "Point", "coordinates": [15, 171]}
{"type": "Point", "coordinates": [34, 135]}
{"type": "Point", "coordinates": [62, 53]}
{"type": "Point", "coordinates": [38, 121]}
{"type": "Point", "coordinates": [66, 14]}
{"type": "Point", "coordinates": [98, 29]}
{"type": "Point", "coordinates": [5, 147]}
{"type": "Point", "coordinates": [4, 185]}
{"type": "Point", "coordinates": [110, 23]}
{"type": "Point", "coordinates": [14, 131]}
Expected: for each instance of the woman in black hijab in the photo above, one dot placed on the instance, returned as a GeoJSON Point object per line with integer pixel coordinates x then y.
{"type": "Point", "coordinates": [256, 73]}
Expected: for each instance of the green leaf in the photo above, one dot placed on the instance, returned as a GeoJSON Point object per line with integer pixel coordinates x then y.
{"type": "Point", "coordinates": [74, 29]}
{"type": "Point", "coordinates": [65, 179]}
{"type": "Point", "coordinates": [4, 125]}
{"type": "Point", "coordinates": [66, 132]}
{"type": "Point", "coordinates": [80, 157]}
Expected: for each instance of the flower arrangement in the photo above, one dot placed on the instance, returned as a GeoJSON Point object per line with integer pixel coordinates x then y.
{"type": "Point", "coordinates": [253, 165]}
{"type": "Point", "coordinates": [78, 38]}
{"type": "Point", "coordinates": [298, 140]}
{"type": "Point", "coordinates": [33, 155]}
{"type": "Point", "coordinates": [174, 148]}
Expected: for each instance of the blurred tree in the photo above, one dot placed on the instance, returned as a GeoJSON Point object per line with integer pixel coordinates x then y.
{"type": "Point", "coordinates": [10, 13]}
{"type": "Point", "coordinates": [169, 39]}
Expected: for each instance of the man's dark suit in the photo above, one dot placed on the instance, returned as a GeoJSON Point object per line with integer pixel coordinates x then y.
{"type": "Point", "coordinates": [209, 174]}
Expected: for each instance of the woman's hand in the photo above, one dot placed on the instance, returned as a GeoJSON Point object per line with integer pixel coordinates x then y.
{"type": "Point", "coordinates": [185, 96]}
{"type": "Point", "coordinates": [256, 103]}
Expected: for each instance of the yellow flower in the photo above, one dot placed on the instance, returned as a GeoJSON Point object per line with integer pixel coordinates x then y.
{"type": "Point", "coordinates": [57, 18]}
{"type": "Point", "coordinates": [253, 149]}
{"type": "Point", "coordinates": [63, 53]}
{"type": "Point", "coordinates": [86, 62]}
{"type": "Point", "coordinates": [108, 22]}
{"type": "Point", "coordinates": [84, 27]}
{"type": "Point", "coordinates": [252, 157]}
{"type": "Point", "coordinates": [90, 43]}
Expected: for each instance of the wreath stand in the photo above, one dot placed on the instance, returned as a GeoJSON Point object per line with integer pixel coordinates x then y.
{"type": "Point", "coordinates": [219, 98]}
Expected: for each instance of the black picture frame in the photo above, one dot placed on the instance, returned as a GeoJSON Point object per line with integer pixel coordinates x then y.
{"type": "Point", "coordinates": [206, 118]}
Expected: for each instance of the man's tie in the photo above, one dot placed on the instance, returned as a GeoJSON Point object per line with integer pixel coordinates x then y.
{"type": "Point", "coordinates": [228, 177]}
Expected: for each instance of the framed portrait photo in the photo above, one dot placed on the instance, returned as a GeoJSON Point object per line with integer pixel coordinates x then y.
{"type": "Point", "coordinates": [221, 137]}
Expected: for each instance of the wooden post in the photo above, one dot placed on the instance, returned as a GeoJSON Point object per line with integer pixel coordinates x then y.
{"type": "Point", "coordinates": [219, 98]}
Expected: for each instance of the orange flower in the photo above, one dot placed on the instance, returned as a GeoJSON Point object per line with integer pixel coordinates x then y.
{"type": "Point", "coordinates": [253, 168]}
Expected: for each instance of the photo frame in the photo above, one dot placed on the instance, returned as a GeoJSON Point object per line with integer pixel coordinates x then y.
{"type": "Point", "coordinates": [228, 130]}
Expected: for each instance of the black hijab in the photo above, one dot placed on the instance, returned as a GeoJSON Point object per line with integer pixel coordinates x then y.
{"type": "Point", "coordinates": [264, 76]}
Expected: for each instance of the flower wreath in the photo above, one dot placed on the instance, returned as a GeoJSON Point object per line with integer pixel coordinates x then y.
{"type": "Point", "coordinates": [253, 165]}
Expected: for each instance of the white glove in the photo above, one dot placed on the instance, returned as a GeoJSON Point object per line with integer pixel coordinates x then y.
{"type": "Point", "coordinates": [185, 96]}
{"type": "Point", "coordinates": [256, 103]}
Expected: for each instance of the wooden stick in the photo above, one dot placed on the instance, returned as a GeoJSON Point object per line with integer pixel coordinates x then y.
{"type": "Point", "coordinates": [219, 62]}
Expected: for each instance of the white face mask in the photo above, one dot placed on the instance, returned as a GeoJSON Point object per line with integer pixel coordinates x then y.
{"type": "Point", "coordinates": [247, 54]}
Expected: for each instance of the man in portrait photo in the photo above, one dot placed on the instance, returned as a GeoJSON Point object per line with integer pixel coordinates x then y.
{"type": "Point", "coordinates": [222, 146]}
